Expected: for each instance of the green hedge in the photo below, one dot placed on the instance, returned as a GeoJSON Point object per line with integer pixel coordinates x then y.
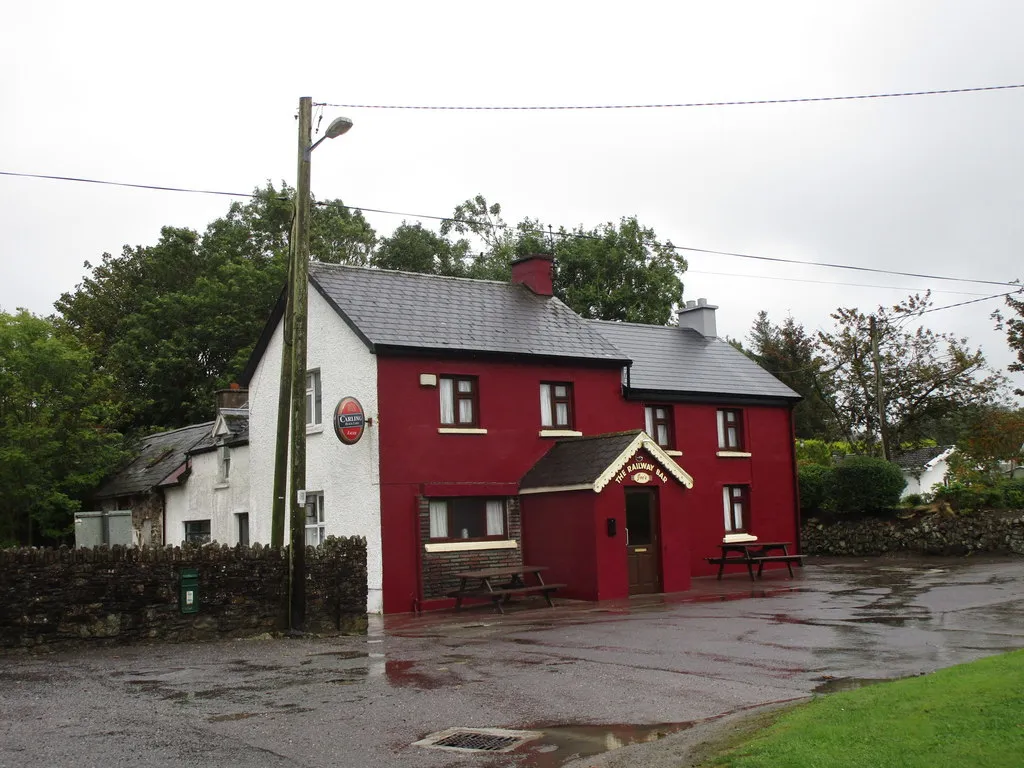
{"type": "Point", "coordinates": [864, 484]}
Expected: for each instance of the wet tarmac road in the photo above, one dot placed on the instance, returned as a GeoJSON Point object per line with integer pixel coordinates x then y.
{"type": "Point", "coordinates": [589, 677]}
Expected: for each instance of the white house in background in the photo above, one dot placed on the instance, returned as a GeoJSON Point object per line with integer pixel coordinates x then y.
{"type": "Point", "coordinates": [210, 501]}
{"type": "Point", "coordinates": [924, 467]}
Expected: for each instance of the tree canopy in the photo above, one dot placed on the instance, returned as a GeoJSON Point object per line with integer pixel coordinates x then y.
{"type": "Point", "coordinates": [57, 439]}
{"type": "Point", "coordinates": [172, 322]}
{"type": "Point", "coordinates": [1014, 325]}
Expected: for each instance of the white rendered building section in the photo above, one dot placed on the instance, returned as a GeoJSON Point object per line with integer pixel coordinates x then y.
{"type": "Point", "coordinates": [921, 482]}
{"type": "Point", "coordinates": [348, 475]}
{"type": "Point", "coordinates": [206, 495]}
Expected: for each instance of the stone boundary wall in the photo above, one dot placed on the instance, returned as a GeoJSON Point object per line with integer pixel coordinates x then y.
{"type": "Point", "coordinates": [55, 598]}
{"type": "Point", "coordinates": [931, 534]}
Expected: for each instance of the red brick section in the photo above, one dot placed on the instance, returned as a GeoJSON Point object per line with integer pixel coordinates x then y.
{"type": "Point", "coordinates": [439, 568]}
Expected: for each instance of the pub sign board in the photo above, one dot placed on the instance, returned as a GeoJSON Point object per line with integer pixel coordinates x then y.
{"type": "Point", "coordinates": [349, 420]}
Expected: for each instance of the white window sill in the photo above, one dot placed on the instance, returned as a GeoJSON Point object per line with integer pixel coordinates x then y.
{"type": "Point", "coordinates": [467, 546]}
{"type": "Point", "coordinates": [673, 453]}
{"type": "Point", "coordinates": [314, 429]}
{"type": "Point", "coordinates": [221, 485]}
{"type": "Point", "coordinates": [738, 538]}
{"type": "Point", "coordinates": [560, 433]}
{"type": "Point", "coordinates": [734, 454]}
{"type": "Point", "coordinates": [461, 431]}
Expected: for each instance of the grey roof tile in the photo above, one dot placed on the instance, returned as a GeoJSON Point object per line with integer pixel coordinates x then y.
{"type": "Point", "coordinates": [577, 460]}
{"type": "Point", "coordinates": [919, 457]}
{"type": "Point", "coordinates": [158, 456]}
{"type": "Point", "coordinates": [681, 360]}
{"type": "Point", "coordinates": [405, 309]}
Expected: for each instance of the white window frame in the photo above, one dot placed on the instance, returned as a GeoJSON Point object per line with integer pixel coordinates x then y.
{"type": "Point", "coordinates": [314, 398]}
{"type": "Point", "coordinates": [223, 463]}
{"type": "Point", "coordinates": [315, 505]}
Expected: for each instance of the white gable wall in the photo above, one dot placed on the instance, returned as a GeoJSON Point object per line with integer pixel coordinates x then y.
{"type": "Point", "coordinates": [348, 475]}
{"type": "Point", "coordinates": [934, 472]}
{"type": "Point", "coordinates": [205, 496]}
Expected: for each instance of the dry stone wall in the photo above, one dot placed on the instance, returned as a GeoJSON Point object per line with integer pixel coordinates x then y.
{"type": "Point", "coordinates": [930, 533]}
{"type": "Point", "coordinates": [52, 598]}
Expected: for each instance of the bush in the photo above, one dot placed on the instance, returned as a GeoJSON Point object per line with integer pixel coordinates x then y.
{"type": "Point", "coordinates": [813, 478]}
{"type": "Point", "coordinates": [914, 500]}
{"type": "Point", "coordinates": [864, 484]}
{"type": "Point", "coordinates": [966, 497]}
{"type": "Point", "coordinates": [1013, 494]}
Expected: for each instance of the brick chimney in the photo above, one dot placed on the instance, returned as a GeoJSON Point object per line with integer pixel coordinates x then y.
{"type": "Point", "coordinates": [534, 271]}
{"type": "Point", "coordinates": [700, 316]}
{"type": "Point", "coordinates": [236, 397]}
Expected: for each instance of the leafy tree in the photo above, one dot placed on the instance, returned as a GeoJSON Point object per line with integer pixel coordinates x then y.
{"type": "Point", "coordinates": [411, 248]}
{"type": "Point", "coordinates": [618, 273]}
{"type": "Point", "coordinates": [56, 435]}
{"type": "Point", "coordinates": [789, 353]}
{"type": "Point", "coordinates": [925, 375]}
{"type": "Point", "coordinates": [1014, 326]}
{"type": "Point", "coordinates": [175, 321]}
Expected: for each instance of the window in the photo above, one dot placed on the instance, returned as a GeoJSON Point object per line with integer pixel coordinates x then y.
{"type": "Point", "coordinates": [459, 401]}
{"type": "Point", "coordinates": [730, 430]}
{"type": "Point", "coordinates": [224, 455]}
{"type": "Point", "coordinates": [315, 524]}
{"type": "Point", "coordinates": [197, 531]}
{"type": "Point", "coordinates": [556, 405]}
{"type": "Point", "coordinates": [467, 518]}
{"type": "Point", "coordinates": [314, 416]}
{"type": "Point", "coordinates": [243, 528]}
{"type": "Point", "coordinates": [658, 424]}
{"type": "Point", "coordinates": [736, 506]}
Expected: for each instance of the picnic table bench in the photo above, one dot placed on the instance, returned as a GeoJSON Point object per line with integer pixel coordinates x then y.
{"type": "Point", "coordinates": [500, 584]}
{"type": "Point", "coordinates": [751, 553]}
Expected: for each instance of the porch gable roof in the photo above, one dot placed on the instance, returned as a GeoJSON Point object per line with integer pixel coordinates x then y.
{"type": "Point", "coordinates": [590, 463]}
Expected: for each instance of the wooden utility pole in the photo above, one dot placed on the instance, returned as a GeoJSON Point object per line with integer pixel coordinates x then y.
{"type": "Point", "coordinates": [284, 395]}
{"type": "Point", "coordinates": [879, 392]}
{"type": "Point", "coordinates": [297, 549]}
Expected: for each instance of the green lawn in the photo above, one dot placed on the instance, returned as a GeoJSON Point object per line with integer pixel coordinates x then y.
{"type": "Point", "coordinates": [963, 717]}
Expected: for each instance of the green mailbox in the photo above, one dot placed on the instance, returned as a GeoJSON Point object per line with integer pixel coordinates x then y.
{"type": "Point", "coordinates": [189, 590]}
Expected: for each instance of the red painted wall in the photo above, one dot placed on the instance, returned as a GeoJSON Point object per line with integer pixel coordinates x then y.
{"type": "Point", "coordinates": [413, 453]}
{"type": "Point", "coordinates": [769, 472]}
{"type": "Point", "coordinates": [558, 531]}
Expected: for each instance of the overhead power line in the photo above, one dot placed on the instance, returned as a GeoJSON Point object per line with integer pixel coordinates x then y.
{"type": "Point", "coordinates": [126, 184]}
{"type": "Point", "coordinates": [682, 105]}
{"type": "Point", "coordinates": [692, 249]}
{"type": "Point", "coordinates": [971, 301]}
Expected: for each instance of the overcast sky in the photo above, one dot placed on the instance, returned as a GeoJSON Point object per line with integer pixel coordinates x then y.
{"type": "Point", "coordinates": [204, 95]}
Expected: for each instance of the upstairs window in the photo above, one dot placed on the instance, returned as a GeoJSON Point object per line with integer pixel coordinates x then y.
{"type": "Point", "coordinates": [736, 503]}
{"type": "Point", "coordinates": [658, 424]}
{"type": "Point", "coordinates": [316, 525]}
{"type": "Point", "coordinates": [730, 430]}
{"type": "Point", "coordinates": [314, 416]}
{"type": "Point", "coordinates": [224, 455]}
{"type": "Point", "coordinates": [467, 518]}
{"type": "Point", "coordinates": [556, 405]}
{"type": "Point", "coordinates": [459, 404]}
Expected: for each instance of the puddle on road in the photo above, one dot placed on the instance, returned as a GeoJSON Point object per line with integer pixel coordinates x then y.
{"type": "Point", "coordinates": [562, 743]}
{"type": "Point", "coordinates": [847, 684]}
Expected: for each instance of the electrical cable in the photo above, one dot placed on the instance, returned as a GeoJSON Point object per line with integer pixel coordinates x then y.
{"type": "Point", "coordinates": [775, 259]}
{"type": "Point", "coordinates": [749, 102]}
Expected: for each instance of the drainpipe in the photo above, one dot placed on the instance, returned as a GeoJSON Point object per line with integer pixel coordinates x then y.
{"type": "Point", "coordinates": [796, 482]}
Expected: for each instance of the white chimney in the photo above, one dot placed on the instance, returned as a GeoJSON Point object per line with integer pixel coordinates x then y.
{"type": "Point", "coordinates": [700, 316]}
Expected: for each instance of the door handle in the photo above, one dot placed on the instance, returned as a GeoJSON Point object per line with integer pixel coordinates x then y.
{"type": "Point", "coordinates": [627, 536]}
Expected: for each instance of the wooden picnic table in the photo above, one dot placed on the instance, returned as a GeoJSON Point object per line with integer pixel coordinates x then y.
{"type": "Point", "coordinates": [751, 553]}
{"type": "Point", "coordinates": [500, 584]}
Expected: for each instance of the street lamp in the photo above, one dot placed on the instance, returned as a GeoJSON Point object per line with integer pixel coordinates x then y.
{"type": "Point", "coordinates": [298, 295]}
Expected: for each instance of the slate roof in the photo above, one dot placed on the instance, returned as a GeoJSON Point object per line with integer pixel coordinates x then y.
{"type": "Point", "coordinates": [919, 457]}
{"type": "Point", "coordinates": [682, 360]}
{"type": "Point", "coordinates": [410, 310]}
{"type": "Point", "coordinates": [576, 461]}
{"type": "Point", "coordinates": [159, 455]}
{"type": "Point", "coordinates": [237, 422]}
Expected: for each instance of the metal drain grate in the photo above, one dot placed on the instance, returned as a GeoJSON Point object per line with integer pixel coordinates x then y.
{"type": "Point", "coordinates": [477, 739]}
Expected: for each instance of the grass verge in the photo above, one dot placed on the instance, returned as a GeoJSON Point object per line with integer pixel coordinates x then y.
{"type": "Point", "coordinates": [969, 715]}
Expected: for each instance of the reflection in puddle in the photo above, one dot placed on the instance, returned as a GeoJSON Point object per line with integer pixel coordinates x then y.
{"type": "Point", "coordinates": [562, 743]}
{"type": "Point", "coordinates": [846, 684]}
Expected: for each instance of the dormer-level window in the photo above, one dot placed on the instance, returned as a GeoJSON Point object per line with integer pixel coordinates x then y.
{"type": "Point", "coordinates": [224, 456]}
{"type": "Point", "coordinates": [314, 416]}
{"type": "Point", "coordinates": [459, 403]}
{"type": "Point", "coordinates": [556, 405]}
{"type": "Point", "coordinates": [658, 424]}
{"type": "Point", "coordinates": [730, 430]}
